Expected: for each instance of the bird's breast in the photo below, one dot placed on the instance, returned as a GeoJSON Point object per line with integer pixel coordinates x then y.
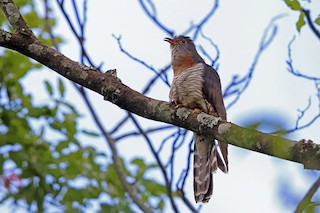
{"type": "Point", "coordinates": [187, 87]}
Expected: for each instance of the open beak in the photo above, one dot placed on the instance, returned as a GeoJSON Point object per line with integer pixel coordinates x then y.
{"type": "Point", "coordinates": [171, 41]}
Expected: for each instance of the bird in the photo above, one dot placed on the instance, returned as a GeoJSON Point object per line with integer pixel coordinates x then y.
{"type": "Point", "coordinates": [197, 86]}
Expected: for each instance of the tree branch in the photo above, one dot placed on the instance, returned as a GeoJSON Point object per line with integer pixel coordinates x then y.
{"type": "Point", "coordinates": [111, 88]}
{"type": "Point", "coordinates": [33, 45]}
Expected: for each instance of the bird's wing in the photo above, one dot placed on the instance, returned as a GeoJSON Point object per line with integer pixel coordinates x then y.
{"type": "Point", "coordinates": [213, 94]}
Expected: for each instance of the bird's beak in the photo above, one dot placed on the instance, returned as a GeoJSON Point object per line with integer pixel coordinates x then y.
{"type": "Point", "coordinates": [171, 41]}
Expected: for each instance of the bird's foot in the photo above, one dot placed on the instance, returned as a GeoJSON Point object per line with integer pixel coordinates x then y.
{"type": "Point", "coordinates": [179, 106]}
{"type": "Point", "coordinates": [196, 110]}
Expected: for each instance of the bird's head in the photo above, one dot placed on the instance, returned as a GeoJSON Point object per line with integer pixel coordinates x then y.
{"type": "Point", "coordinates": [180, 42]}
{"type": "Point", "coordinates": [183, 53]}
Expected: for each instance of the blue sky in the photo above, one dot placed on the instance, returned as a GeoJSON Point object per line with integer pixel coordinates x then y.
{"type": "Point", "coordinates": [255, 180]}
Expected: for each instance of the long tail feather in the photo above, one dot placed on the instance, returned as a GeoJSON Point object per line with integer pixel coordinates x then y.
{"type": "Point", "coordinates": [205, 163]}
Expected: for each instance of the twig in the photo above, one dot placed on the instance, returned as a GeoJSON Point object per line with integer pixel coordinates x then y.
{"type": "Point", "coordinates": [156, 156]}
{"type": "Point", "coordinates": [183, 178]}
{"type": "Point", "coordinates": [115, 157]}
{"type": "Point", "coordinates": [237, 86]}
{"type": "Point", "coordinates": [166, 139]}
{"type": "Point", "coordinates": [214, 61]}
{"type": "Point", "coordinates": [49, 27]}
{"type": "Point", "coordinates": [151, 130]}
{"type": "Point", "coordinates": [149, 67]}
{"type": "Point", "coordinates": [36, 47]}
{"type": "Point", "coordinates": [316, 80]}
{"type": "Point", "coordinates": [198, 27]}
{"type": "Point", "coordinates": [153, 16]}
{"type": "Point", "coordinates": [79, 36]}
{"type": "Point", "coordinates": [306, 200]}
{"type": "Point", "coordinates": [310, 23]}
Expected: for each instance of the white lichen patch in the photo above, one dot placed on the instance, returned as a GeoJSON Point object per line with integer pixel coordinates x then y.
{"type": "Point", "coordinates": [103, 89]}
{"type": "Point", "coordinates": [208, 120]}
{"type": "Point", "coordinates": [117, 92]}
{"type": "Point", "coordinates": [12, 12]}
{"type": "Point", "coordinates": [35, 49]}
{"type": "Point", "coordinates": [10, 8]}
{"type": "Point", "coordinates": [84, 67]}
{"type": "Point", "coordinates": [113, 72]}
{"type": "Point", "coordinates": [183, 113]}
{"type": "Point", "coordinates": [5, 36]}
{"type": "Point", "coordinates": [258, 145]}
{"type": "Point", "coordinates": [224, 127]}
{"type": "Point", "coordinates": [84, 75]}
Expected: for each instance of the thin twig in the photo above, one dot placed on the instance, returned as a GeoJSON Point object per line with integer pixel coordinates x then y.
{"type": "Point", "coordinates": [162, 168]}
{"type": "Point", "coordinates": [238, 85]}
{"type": "Point", "coordinates": [310, 23]}
{"type": "Point", "coordinates": [306, 200]}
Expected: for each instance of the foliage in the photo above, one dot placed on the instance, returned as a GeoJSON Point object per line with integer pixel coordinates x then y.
{"type": "Point", "coordinates": [296, 6]}
{"type": "Point", "coordinates": [43, 165]}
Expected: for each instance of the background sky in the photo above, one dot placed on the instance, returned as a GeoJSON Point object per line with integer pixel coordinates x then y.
{"type": "Point", "coordinates": [256, 182]}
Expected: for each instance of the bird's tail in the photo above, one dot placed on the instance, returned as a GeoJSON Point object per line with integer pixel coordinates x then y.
{"type": "Point", "coordinates": [206, 161]}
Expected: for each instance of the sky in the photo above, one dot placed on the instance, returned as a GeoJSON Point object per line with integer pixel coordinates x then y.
{"type": "Point", "coordinates": [255, 180]}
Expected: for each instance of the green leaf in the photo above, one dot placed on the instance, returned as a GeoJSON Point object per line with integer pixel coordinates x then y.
{"type": "Point", "coordinates": [61, 88]}
{"type": "Point", "coordinates": [293, 4]}
{"type": "Point", "coordinates": [317, 21]}
{"type": "Point", "coordinates": [62, 145]}
{"type": "Point", "coordinates": [37, 112]}
{"type": "Point", "coordinates": [154, 188]}
{"type": "Point", "coordinates": [300, 23]}
{"type": "Point", "coordinates": [49, 88]}
{"type": "Point", "coordinates": [139, 162]}
{"type": "Point", "coordinates": [160, 204]}
{"type": "Point", "coordinates": [70, 106]}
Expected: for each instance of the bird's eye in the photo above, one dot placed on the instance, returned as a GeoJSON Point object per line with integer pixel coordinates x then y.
{"type": "Point", "coordinates": [183, 41]}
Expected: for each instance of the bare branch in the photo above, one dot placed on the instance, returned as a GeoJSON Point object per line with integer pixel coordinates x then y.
{"type": "Point", "coordinates": [198, 27]}
{"type": "Point", "coordinates": [15, 19]}
{"type": "Point", "coordinates": [149, 67]}
{"type": "Point", "coordinates": [33, 46]}
{"type": "Point", "coordinates": [153, 16]}
{"type": "Point", "coordinates": [48, 25]}
{"type": "Point", "coordinates": [114, 91]}
{"type": "Point", "coordinates": [238, 85]}
{"type": "Point", "coordinates": [148, 131]}
{"type": "Point", "coordinates": [315, 80]}
{"type": "Point", "coordinates": [158, 160]}
{"type": "Point", "coordinates": [80, 36]}
{"type": "Point", "coordinates": [214, 61]}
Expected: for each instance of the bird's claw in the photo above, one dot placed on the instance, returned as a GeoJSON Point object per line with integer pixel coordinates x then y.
{"type": "Point", "coordinates": [178, 106]}
{"type": "Point", "coordinates": [196, 110]}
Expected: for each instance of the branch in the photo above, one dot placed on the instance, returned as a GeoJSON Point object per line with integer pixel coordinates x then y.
{"type": "Point", "coordinates": [111, 88]}
{"type": "Point", "coordinates": [238, 85]}
{"type": "Point", "coordinates": [33, 48]}
{"type": "Point", "coordinates": [153, 16]}
{"type": "Point", "coordinates": [307, 198]}
{"type": "Point", "coordinates": [160, 164]}
{"type": "Point", "coordinates": [310, 23]}
{"type": "Point", "coordinates": [314, 79]}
